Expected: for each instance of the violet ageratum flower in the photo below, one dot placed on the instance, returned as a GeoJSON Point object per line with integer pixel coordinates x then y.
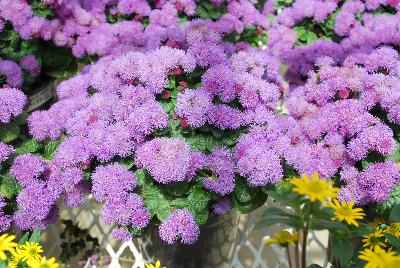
{"type": "Point", "coordinates": [166, 159]}
{"type": "Point", "coordinates": [180, 225]}
{"type": "Point", "coordinates": [5, 151]}
{"type": "Point", "coordinates": [222, 180]}
{"type": "Point", "coordinates": [112, 180]}
{"type": "Point", "coordinates": [222, 207]}
{"type": "Point", "coordinates": [27, 168]}
{"type": "Point", "coordinates": [12, 103]}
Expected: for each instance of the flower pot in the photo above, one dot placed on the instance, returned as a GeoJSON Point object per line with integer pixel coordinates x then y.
{"type": "Point", "coordinates": [214, 248]}
{"type": "Point", "coordinates": [42, 95]}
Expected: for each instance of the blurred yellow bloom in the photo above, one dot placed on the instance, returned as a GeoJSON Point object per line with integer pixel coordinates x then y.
{"type": "Point", "coordinates": [346, 212]}
{"type": "Point", "coordinates": [314, 188]}
{"type": "Point", "coordinates": [158, 265]}
{"type": "Point", "coordinates": [376, 222]}
{"type": "Point", "coordinates": [6, 244]}
{"type": "Point", "coordinates": [14, 259]}
{"type": "Point", "coordinates": [283, 238]}
{"type": "Point", "coordinates": [379, 258]}
{"type": "Point", "coordinates": [394, 229]}
{"type": "Point", "coordinates": [30, 252]}
{"type": "Point", "coordinates": [374, 240]}
{"type": "Point", "coordinates": [44, 263]}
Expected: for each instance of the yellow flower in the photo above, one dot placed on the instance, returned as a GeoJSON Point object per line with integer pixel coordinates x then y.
{"type": "Point", "coordinates": [346, 212]}
{"type": "Point", "coordinates": [30, 252]}
{"type": "Point", "coordinates": [6, 244]}
{"type": "Point", "coordinates": [158, 265]}
{"type": "Point", "coordinates": [374, 240]}
{"type": "Point", "coordinates": [14, 259]}
{"type": "Point", "coordinates": [379, 258]}
{"type": "Point", "coordinates": [394, 229]}
{"type": "Point", "coordinates": [44, 263]}
{"type": "Point", "coordinates": [376, 222]}
{"type": "Point", "coordinates": [314, 189]}
{"type": "Point", "coordinates": [283, 238]}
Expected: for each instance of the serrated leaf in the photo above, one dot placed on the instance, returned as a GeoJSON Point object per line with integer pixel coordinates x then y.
{"type": "Point", "coordinates": [198, 200]}
{"type": "Point", "coordinates": [243, 191]}
{"type": "Point", "coordinates": [9, 186]}
{"type": "Point", "coordinates": [50, 149]}
{"type": "Point", "coordinates": [201, 217]}
{"type": "Point", "coordinates": [29, 146]}
{"type": "Point", "coordinates": [9, 132]}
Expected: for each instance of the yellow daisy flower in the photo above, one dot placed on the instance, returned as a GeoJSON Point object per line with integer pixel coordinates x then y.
{"type": "Point", "coordinates": [30, 252]}
{"type": "Point", "coordinates": [283, 238]}
{"type": "Point", "coordinates": [6, 244]}
{"type": "Point", "coordinates": [394, 229]}
{"type": "Point", "coordinates": [314, 189]}
{"type": "Point", "coordinates": [15, 259]}
{"type": "Point", "coordinates": [374, 240]}
{"type": "Point", "coordinates": [158, 265]}
{"type": "Point", "coordinates": [379, 258]}
{"type": "Point", "coordinates": [346, 212]}
{"type": "Point", "coordinates": [44, 263]}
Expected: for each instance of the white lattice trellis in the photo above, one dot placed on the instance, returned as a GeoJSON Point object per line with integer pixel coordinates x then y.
{"type": "Point", "coordinates": [250, 251]}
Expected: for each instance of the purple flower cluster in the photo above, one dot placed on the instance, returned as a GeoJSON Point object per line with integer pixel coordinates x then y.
{"type": "Point", "coordinates": [5, 220]}
{"type": "Point", "coordinates": [336, 113]}
{"type": "Point", "coordinates": [179, 225]}
{"type": "Point", "coordinates": [5, 151]}
{"type": "Point", "coordinates": [12, 103]}
{"type": "Point", "coordinates": [83, 25]}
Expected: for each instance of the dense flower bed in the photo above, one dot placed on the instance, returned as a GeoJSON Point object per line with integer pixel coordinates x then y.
{"type": "Point", "coordinates": [185, 109]}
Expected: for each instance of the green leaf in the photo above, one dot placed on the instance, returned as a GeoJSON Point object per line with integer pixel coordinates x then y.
{"type": "Point", "coordinates": [201, 217]}
{"type": "Point", "coordinates": [311, 37]}
{"type": "Point", "coordinates": [322, 224]}
{"type": "Point", "coordinates": [395, 214]}
{"type": "Point", "coordinates": [127, 162]}
{"type": "Point", "coordinates": [343, 249]}
{"type": "Point", "coordinates": [24, 238]}
{"type": "Point", "coordinates": [179, 202]}
{"type": "Point", "coordinates": [284, 220]}
{"type": "Point", "coordinates": [274, 211]}
{"type": "Point", "coordinates": [198, 200]}
{"type": "Point", "coordinates": [29, 146]}
{"type": "Point", "coordinates": [21, 119]}
{"type": "Point", "coordinates": [50, 149]}
{"type": "Point", "coordinates": [393, 240]}
{"type": "Point", "coordinates": [9, 132]}
{"type": "Point", "coordinates": [9, 186]}
{"type": "Point", "coordinates": [35, 237]}
{"type": "Point", "coordinates": [243, 191]}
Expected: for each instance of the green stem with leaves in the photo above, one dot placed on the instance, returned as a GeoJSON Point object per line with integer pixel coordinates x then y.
{"type": "Point", "coordinates": [305, 235]}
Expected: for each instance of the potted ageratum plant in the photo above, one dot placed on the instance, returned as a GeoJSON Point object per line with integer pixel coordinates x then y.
{"type": "Point", "coordinates": [165, 138]}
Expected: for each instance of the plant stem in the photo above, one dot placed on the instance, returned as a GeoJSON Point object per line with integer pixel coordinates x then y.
{"type": "Point", "coordinates": [296, 255]}
{"type": "Point", "coordinates": [289, 257]}
{"type": "Point", "coordinates": [305, 235]}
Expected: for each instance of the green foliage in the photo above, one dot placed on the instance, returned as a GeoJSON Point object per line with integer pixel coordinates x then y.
{"type": "Point", "coordinates": [9, 186]}
{"type": "Point", "coordinates": [50, 149]}
{"type": "Point", "coordinates": [9, 132]}
{"type": "Point", "coordinates": [393, 200]}
{"type": "Point", "coordinates": [55, 62]}
{"type": "Point", "coordinates": [343, 249]}
{"type": "Point", "coordinates": [207, 10]}
{"type": "Point", "coordinates": [42, 10]}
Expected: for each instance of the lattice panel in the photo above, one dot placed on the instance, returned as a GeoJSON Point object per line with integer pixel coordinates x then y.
{"type": "Point", "coordinates": [250, 251]}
